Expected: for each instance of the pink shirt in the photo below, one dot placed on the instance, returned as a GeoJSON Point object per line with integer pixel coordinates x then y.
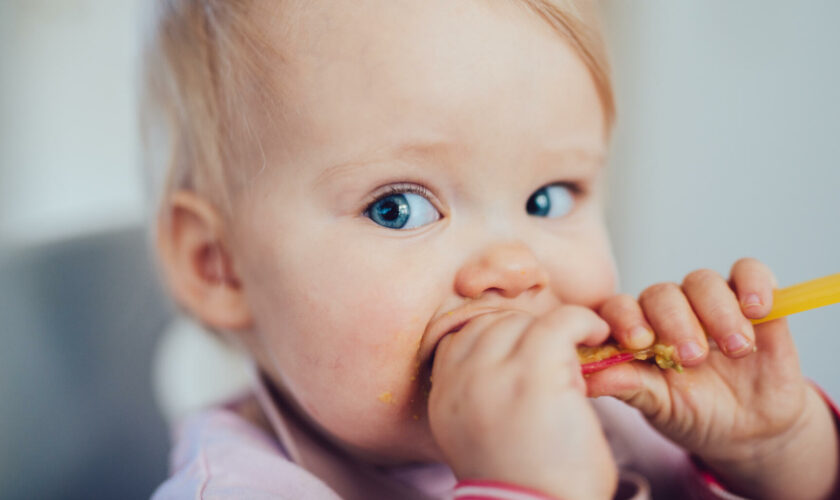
{"type": "Point", "coordinates": [220, 455]}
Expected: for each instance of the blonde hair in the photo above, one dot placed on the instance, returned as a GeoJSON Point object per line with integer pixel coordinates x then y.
{"type": "Point", "coordinates": [206, 62]}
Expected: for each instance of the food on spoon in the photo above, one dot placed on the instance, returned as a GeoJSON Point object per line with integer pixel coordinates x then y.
{"type": "Point", "coordinates": [594, 359]}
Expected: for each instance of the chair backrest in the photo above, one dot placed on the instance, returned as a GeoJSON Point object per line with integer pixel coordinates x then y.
{"type": "Point", "coordinates": [79, 320]}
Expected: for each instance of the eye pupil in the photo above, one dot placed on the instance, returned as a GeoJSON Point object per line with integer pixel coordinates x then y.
{"type": "Point", "coordinates": [539, 203]}
{"type": "Point", "coordinates": [389, 210]}
{"type": "Point", "coordinates": [392, 211]}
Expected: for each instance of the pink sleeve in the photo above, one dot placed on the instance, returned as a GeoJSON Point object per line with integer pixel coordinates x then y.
{"type": "Point", "coordinates": [495, 490]}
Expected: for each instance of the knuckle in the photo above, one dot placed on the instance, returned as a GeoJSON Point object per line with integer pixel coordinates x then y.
{"type": "Point", "coordinates": [497, 318]}
{"type": "Point", "coordinates": [562, 314]}
{"type": "Point", "coordinates": [674, 322]}
{"type": "Point", "coordinates": [518, 318]}
{"type": "Point", "coordinates": [657, 291]}
{"type": "Point", "coordinates": [752, 273]}
{"type": "Point", "coordinates": [625, 298]}
{"type": "Point", "coordinates": [503, 320]}
{"type": "Point", "coordinates": [720, 317]}
{"type": "Point", "coordinates": [626, 307]}
{"type": "Point", "coordinates": [550, 325]}
{"type": "Point", "coordinates": [747, 262]}
{"type": "Point", "coordinates": [701, 277]}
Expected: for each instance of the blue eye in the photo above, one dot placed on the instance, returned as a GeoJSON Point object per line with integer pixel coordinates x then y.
{"type": "Point", "coordinates": [555, 200]}
{"type": "Point", "coordinates": [402, 211]}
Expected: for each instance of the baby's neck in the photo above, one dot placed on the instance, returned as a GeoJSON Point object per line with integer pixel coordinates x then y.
{"type": "Point", "coordinates": [249, 410]}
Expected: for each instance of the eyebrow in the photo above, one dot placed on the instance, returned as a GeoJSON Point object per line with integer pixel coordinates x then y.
{"type": "Point", "coordinates": [435, 150]}
{"type": "Point", "coordinates": [418, 150]}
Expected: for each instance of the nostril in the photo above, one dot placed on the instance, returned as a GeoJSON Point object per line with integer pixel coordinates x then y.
{"type": "Point", "coordinates": [504, 292]}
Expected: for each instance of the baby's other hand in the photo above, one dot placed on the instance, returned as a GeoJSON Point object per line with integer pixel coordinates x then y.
{"type": "Point", "coordinates": [508, 403]}
{"type": "Point", "coordinates": [743, 405]}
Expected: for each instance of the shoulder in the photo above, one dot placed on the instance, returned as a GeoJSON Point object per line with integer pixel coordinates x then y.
{"type": "Point", "coordinates": [218, 454]}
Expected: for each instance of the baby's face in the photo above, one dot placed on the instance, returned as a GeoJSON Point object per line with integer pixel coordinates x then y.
{"type": "Point", "coordinates": [435, 159]}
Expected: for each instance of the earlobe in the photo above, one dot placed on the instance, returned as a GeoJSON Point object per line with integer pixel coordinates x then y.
{"type": "Point", "coordinates": [198, 264]}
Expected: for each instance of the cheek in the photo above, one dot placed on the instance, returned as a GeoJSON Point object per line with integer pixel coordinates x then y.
{"type": "Point", "coordinates": [348, 351]}
{"type": "Point", "coordinates": [339, 319]}
{"type": "Point", "coordinates": [585, 273]}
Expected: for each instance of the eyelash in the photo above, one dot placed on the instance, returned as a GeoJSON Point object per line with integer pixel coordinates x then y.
{"type": "Point", "coordinates": [574, 187]}
{"type": "Point", "coordinates": [399, 189]}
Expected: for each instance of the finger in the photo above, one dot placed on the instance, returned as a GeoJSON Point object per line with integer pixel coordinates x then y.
{"type": "Point", "coordinates": [620, 380]}
{"type": "Point", "coordinates": [627, 322]}
{"type": "Point", "coordinates": [638, 384]}
{"type": "Point", "coordinates": [753, 283]}
{"type": "Point", "coordinates": [441, 364]}
{"type": "Point", "coordinates": [496, 341]}
{"type": "Point", "coordinates": [719, 312]}
{"type": "Point", "coordinates": [460, 344]}
{"type": "Point", "coordinates": [553, 337]}
{"type": "Point", "coordinates": [548, 346]}
{"type": "Point", "coordinates": [672, 318]}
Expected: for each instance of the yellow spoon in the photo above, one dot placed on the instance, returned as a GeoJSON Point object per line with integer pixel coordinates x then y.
{"type": "Point", "coordinates": [803, 297]}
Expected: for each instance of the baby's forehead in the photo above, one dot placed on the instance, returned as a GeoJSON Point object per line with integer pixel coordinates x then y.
{"type": "Point", "coordinates": [381, 36]}
{"type": "Point", "coordinates": [445, 67]}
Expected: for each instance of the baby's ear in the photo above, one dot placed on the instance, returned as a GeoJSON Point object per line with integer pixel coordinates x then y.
{"type": "Point", "coordinates": [198, 265]}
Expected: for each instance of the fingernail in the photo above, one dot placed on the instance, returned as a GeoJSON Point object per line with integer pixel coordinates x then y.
{"type": "Point", "coordinates": [640, 337]}
{"type": "Point", "coordinates": [689, 351]}
{"type": "Point", "coordinates": [752, 299]}
{"type": "Point", "coordinates": [736, 343]}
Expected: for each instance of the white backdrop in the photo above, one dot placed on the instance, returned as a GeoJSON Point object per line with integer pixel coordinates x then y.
{"type": "Point", "coordinates": [68, 134]}
{"type": "Point", "coordinates": [725, 146]}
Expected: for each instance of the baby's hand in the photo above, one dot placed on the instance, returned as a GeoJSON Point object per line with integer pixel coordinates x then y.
{"type": "Point", "coordinates": [743, 406]}
{"type": "Point", "coordinates": [508, 403]}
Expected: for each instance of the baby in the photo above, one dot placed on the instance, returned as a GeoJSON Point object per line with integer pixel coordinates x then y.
{"type": "Point", "coordinates": [395, 208]}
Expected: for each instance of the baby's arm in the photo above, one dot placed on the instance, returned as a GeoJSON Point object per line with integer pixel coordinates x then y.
{"type": "Point", "coordinates": [754, 421]}
{"type": "Point", "coordinates": [508, 404]}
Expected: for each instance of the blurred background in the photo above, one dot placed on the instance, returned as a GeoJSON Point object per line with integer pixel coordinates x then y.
{"type": "Point", "coordinates": [725, 147]}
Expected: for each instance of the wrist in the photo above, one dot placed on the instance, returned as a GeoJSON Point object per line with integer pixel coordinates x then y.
{"type": "Point", "coordinates": [801, 462]}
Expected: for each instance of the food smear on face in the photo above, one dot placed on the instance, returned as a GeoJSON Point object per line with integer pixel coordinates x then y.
{"type": "Point", "coordinates": [386, 397]}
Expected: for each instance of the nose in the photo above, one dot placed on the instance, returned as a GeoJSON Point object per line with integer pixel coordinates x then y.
{"type": "Point", "coordinates": [507, 269]}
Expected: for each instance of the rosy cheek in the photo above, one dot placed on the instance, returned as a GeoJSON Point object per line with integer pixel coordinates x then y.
{"type": "Point", "coordinates": [369, 338]}
{"type": "Point", "coordinates": [589, 282]}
